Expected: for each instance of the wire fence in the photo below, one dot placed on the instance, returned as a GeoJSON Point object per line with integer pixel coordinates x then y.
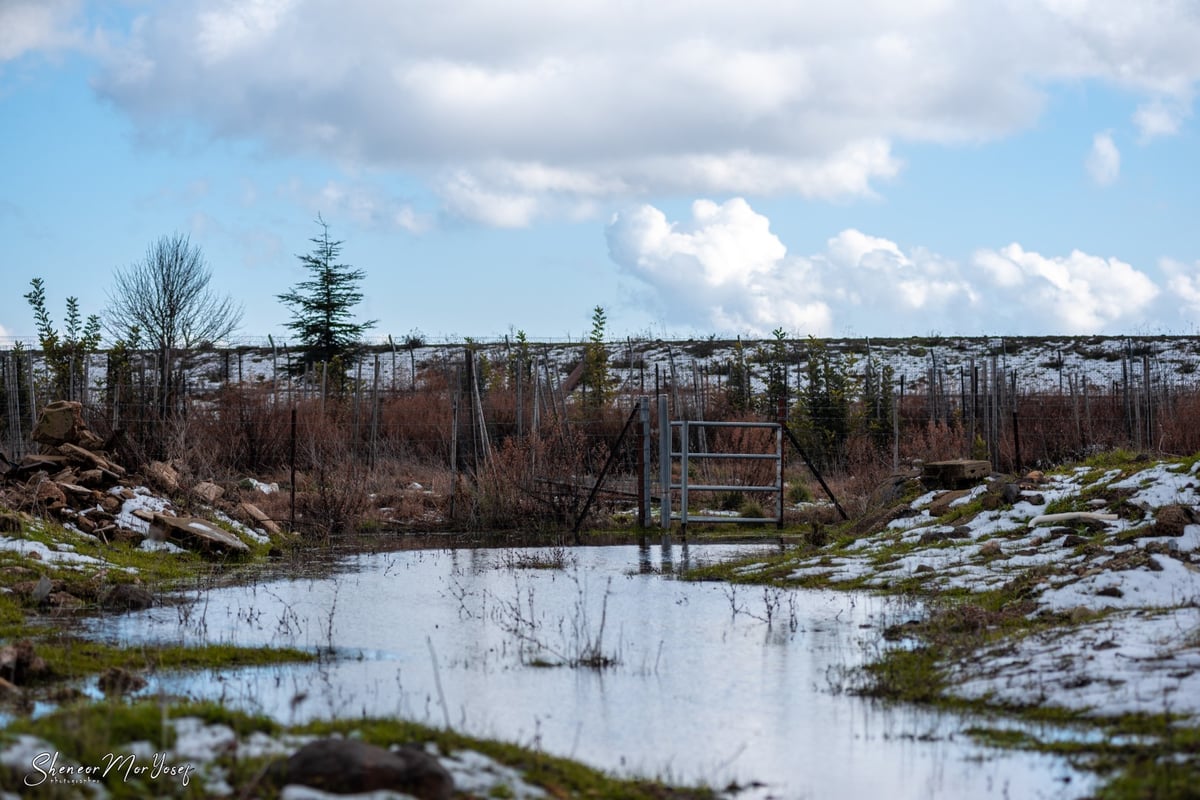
{"type": "Point", "coordinates": [518, 433]}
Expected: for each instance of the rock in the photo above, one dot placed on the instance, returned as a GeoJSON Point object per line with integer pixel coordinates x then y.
{"type": "Point", "coordinates": [119, 681]}
{"type": "Point", "coordinates": [990, 549]}
{"type": "Point", "coordinates": [163, 476]}
{"type": "Point", "coordinates": [20, 664]}
{"type": "Point", "coordinates": [110, 503]}
{"type": "Point", "coordinates": [75, 490]}
{"type": "Point", "coordinates": [1171, 520]}
{"type": "Point", "coordinates": [888, 492]}
{"type": "Point", "coordinates": [991, 501]}
{"type": "Point", "coordinates": [347, 766]}
{"type": "Point", "coordinates": [115, 534]}
{"type": "Point", "coordinates": [1073, 540]}
{"type": "Point", "coordinates": [143, 514]}
{"type": "Point", "coordinates": [960, 532]}
{"type": "Point", "coordinates": [196, 534]}
{"type": "Point", "coordinates": [258, 518]}
{"type": "Point", "coordinates": [93, 479]}
{"type": "Point", "coordinates": [941, 503]}
{"type": "Point", "coordinates": [67, 475]}
{"type": "Point", "coordinates": [65, 601]}
{"type": "Point", "coordinates": [91, 459]}
{"type": "Point", "coordinates": [208, 492]}
{"type": "Point", "coordinates": [61, 422]}
{"type": "Point", "coordinates": [50, 496]}
{"type": "Point", "coordinates": [64, 694]}
{"type": "Point", "coordinates": [126, 597]}
{"type": "Point", "coordinates": [1110, 591]}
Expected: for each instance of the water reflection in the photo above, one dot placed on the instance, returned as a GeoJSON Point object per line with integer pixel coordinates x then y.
{"type": "Point", "coordinates": [711, 682]}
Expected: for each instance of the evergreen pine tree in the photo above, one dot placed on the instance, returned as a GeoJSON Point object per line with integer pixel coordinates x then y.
{"type": "Point", "coordinates": [596, 378]}
{"type": "Point", "coordinates": [322, 306]}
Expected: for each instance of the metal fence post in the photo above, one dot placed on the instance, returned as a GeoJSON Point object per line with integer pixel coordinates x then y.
{"type": "Point", "coordinates": [664, 463]}
{"type": "Point", "coordinates": [684, 437]}
{"type": "Point", "coordinates": [644, 457]}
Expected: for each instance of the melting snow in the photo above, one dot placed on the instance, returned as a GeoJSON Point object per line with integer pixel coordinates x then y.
{"type": "Point", "coordinates": [1141, 649]}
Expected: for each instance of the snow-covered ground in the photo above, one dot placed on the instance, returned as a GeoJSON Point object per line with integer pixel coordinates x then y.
{"type": "Point", "coordinates": [192, 762]}
{"type": "Point", "coordinates": [1036, 363]}
{"type": "Point", "coordinates": [1134, 595]}
{"type": "Point", "coordinates": [1123, 588]}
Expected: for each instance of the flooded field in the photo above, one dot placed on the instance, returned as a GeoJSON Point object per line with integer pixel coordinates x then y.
{"type": "Point", "coordinates": [600, 654]}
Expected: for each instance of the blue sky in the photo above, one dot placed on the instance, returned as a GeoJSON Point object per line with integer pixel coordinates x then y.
{"type": "Point", "coordinates": [979, 168]}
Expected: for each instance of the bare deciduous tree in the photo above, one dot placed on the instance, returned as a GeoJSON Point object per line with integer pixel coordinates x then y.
{"type": "Point", "coordinates": [165, 300]}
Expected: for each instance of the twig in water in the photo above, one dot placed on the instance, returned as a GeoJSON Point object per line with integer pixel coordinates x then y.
{"type": "Point", "coordinates": [437, 681]}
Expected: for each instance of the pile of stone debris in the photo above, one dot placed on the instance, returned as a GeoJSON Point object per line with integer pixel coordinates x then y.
{"type": "Point", "coordinates": [76, 480]}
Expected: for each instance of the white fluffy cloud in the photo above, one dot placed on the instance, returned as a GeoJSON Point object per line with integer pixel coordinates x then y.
{"type": "Point", "coordinates": [527, 108]}
{"type": "Point", "coordinates": [1184, 283]}
{"type": "Point", "coordinates": [1104, 159]}
{"type": "Point", "coordinates": [724, 269]}
{"type": "Point", "coordinates": [1079, 293]}
{"type": "Point", "coordinates": [725, 264]}
{"type": "Point", "coordinates": [31, 25]}
{"type": "Point", "coordinates": [1161, 117]}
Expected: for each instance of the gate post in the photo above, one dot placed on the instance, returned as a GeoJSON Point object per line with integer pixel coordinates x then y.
{"type": "Point", "coordinates": [644, 465]}
{"type": "Point", "coordinates": [779, 477]}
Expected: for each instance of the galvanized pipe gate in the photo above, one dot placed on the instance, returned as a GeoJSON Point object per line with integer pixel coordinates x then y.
{"type": "Point", "coordinates": [668, 456]}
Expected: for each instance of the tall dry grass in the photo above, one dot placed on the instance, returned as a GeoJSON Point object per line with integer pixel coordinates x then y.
{"type": "Point", "coordinates": [356, 455]}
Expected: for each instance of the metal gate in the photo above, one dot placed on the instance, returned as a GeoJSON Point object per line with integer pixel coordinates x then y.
{"type": "Point", "coordinates": [668, 457]}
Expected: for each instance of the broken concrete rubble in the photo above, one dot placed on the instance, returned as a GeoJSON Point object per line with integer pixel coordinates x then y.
{"type": "Point", "coordinates": [62, 422]}
{"type": "Point", "coordinates": [164, 476]}
{"type": "Point", "coordinates": [208, 492]}
{"type": "Point", "coordinates": [196, 534]}
{"type": "Point", "coordinates": [258, 518]}
{"type": "Point", "coordinates": [85, 487]}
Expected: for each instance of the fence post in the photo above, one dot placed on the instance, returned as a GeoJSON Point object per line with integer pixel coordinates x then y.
{"type": "Point", "coordinates": [664, 465]}
{"type": "Point", "coordinates": [684, 445]}
{"type": "Point", "coordinates": [292, 460]}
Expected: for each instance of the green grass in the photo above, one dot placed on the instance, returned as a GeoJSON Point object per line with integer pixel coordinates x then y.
{"type": "Point", "coordinates": [86, 733]}
{"type": "Point", "coordinates": [559, 776]}
{"type": "Point", "coordinates": [71, 658]}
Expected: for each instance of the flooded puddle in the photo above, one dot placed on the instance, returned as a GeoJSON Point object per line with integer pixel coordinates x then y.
{"type": "Point", "coordinates": [703, 682]}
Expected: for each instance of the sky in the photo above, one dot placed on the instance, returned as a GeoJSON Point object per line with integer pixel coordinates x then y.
{"type": "Point", "coordinates": [698, 168]}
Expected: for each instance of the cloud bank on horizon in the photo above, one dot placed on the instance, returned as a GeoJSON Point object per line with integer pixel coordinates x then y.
{"type": "Point", "coordinates": [527, 112]}
{"type": "Point", "coordinates": [725, 265]}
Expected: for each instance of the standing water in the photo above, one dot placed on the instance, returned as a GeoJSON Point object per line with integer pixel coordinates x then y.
{"type": "Point", "coordinates": [598, 654]}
